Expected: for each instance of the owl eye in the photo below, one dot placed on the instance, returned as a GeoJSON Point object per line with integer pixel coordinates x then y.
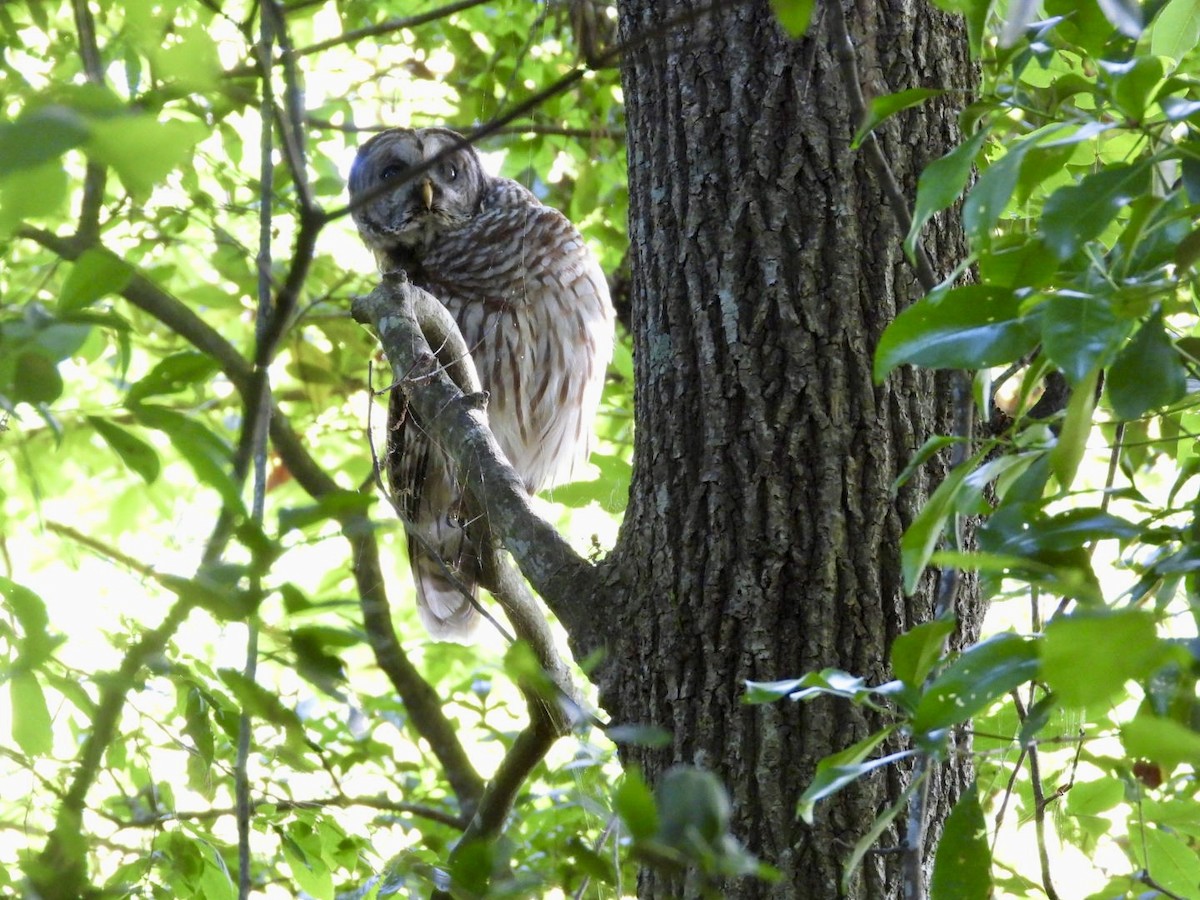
{"type": "Point", "coordinates": [451, 171]}
{"type": "Point", "coordinates": [395, 170]}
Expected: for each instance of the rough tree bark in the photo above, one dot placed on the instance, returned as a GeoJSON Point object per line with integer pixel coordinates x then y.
{"type": "Point", "coordinates": [762, 536]}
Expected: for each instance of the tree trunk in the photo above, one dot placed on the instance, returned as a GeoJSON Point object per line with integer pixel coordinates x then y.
{"type": "Point", "coordinates": [762, 536]}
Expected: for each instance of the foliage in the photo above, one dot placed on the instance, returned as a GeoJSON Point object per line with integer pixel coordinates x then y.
{"type": "Point", "coordinates": [1082, 284]}
{"type": "Point", "coordinates": [135, 553]}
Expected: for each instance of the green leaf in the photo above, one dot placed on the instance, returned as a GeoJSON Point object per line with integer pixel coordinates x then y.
{"type": "Point", "coordinates": [1091, 798]}
{"type": "Point", "coordinates": [31, 194]}
{"type": "Point", "coordinates": [1161, 740]}
{"type": "Point", "coordinates": [978, 677]}
{"type": "Point", "coordinates": [962, 867]}
{"type": "Point", "coordinates": [831, 777]}
{"type": "Point", "coordinates": [143, 150]}
{"type": "Point", "coordinates": [888, 105]}
{"type": "Point", "coordinates": [1077, 425]}
{"type": "Point", "coordinates": [1147, 374]}
{"type": "Point", "coordinates": [971, 327]}
{"type": "Point", "coordinates": [634, 803]}
{"type": "Point", "coordinates": [1080, 332]}
{"type": "Point", "coordinates": [915, 652]}
{"type": "Point", "coordinates": [991, 193]}
{"type": "Point", "coordinates": [940, 184]}
{"type": "Point", "coordinates": [172, 374]}
{"type": "Point", "coordinates": [922, 536]}
{"type": "Point", "coordinates": [332, 505]}
{"type": "Point", "coordinates": [1079, 212]}
{"type": "Point", "coordinates": [692, 803]}
{"type": "Point", "coordinates": [134, 452]}
{"type": "Point", "coordinates": [94, 274]}
{"type": "Point", "coordinates": [36, 379]}
{"type": "Point", "coordinates": [933, 444]}
{"type": "Point", "coordinates": [38, 137]}
{"type": "Point", "coordinates": [28, 608]}
{"type": "Point", "coordinates": [1176, 29]}
{"type": "Point", "coordinates": [1125, 640]}
{"type": "Point", "coordinates": [794, 15]}
{"type": "Point", "coordinates": [770, 691]}
{"type": "Point", "coordinates": [312, 875]}
{"type": "Point", "coordinates": [30, 715]}
{"type": "Point", "coordinates": [209, 457]}
{"type": "Point", "coordinates": [1170, 857]}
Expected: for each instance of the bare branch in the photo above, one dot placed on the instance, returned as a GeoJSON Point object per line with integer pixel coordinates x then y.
{"type": "Point", "coordinates": [614, 134]}
{"type": "Point", "coordinates": [391, 25]}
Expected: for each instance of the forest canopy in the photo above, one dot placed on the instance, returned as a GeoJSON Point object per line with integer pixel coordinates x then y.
{"type": "Point", "coordinates": [187, 579]}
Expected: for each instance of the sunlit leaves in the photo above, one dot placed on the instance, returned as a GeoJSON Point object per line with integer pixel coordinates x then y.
{"type": "Point", "coordinates": [94, 274]}
{"type": "Point", "coordinates": [1176, 29]}
{"type": "Point", "coordinates": [142, 149]}
{"type": "Point", "coordinates": [1126, 641]}
{"type": "Point", "coordinates": [30, 714]}
{"type": "Point", "coordinates": [1165, 741]}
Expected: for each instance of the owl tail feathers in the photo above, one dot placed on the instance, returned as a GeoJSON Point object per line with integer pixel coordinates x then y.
{"type": "Point", "coordinates": [446, 614]}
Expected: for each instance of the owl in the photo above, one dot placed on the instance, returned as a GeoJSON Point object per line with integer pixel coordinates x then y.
{"type": "Point", "coordinates": [533, 307]}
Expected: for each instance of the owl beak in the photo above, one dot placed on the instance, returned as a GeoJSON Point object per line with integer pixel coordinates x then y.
{"type": "Point", "coordinates": [427, 193]}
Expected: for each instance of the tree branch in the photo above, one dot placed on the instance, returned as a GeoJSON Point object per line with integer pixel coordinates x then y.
{"type": "Point", "coordinates": [391, 25]}
{"type": "Point", "coordinates": [96, 174]}
{"type": "Point", "coordinates": [399, 311]}
{"type": "Point", "coordinates": [60, 872]}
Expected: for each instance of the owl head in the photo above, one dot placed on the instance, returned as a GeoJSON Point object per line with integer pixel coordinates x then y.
{"type": "Point", "coordinates": [441, 198]}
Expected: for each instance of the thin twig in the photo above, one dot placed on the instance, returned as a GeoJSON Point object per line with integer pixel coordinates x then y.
{"type": "Point", "coordinates": [339, 802]}
{"type": "Point", "coordinates": [60, 872]}
{"type": "Point", "coordinates": [96, 175]}
{"type": "Point", "coordinates": [615, 134]}
{"type": "Point", "coordinates": [858, 104]}
{"type": "Point", "coordinates": [1039, 805]}
{"type": "Point", "coordinates": [391, 25]}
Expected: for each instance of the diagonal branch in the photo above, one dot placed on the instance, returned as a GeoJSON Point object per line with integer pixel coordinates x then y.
{"type": "Point", "coordinates": [399, 311]}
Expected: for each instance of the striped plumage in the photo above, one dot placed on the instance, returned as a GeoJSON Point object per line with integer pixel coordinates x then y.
{"type": "Point", "coordinates": [533, 306]}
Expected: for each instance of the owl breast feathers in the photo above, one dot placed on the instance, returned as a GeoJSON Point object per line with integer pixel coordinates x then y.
{"type": "Point", "coordinates": [533, 307]}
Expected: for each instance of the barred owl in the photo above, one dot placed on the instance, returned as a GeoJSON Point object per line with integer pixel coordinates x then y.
{"type": "Point", "coordinates": [533, 306]}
